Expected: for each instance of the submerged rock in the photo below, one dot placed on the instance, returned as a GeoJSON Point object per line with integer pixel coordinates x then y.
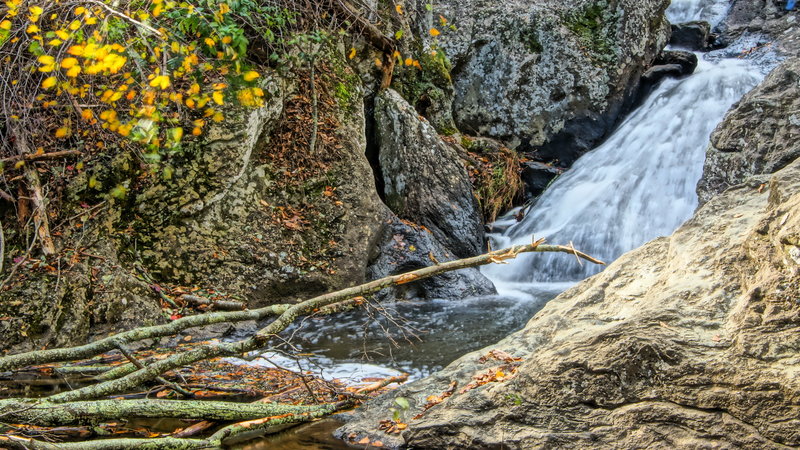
{"type": "Point", "coordinates": [549, 75]}
{"type": "Point", "coordinates": [760, 135]}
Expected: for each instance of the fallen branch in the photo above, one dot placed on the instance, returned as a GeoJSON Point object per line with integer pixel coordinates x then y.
{"type": "Point", "coordinates": [44, 413]}
{"type": "Point", "coordinates": [32, 157]}
{"type": "Point", "coordinates": [292, 313]}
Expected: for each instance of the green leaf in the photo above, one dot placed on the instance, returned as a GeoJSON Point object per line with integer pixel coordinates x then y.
{"type": "Point", "coordinates": [398, 35]}
{"type": "Point", "coordinates": [402, 402]}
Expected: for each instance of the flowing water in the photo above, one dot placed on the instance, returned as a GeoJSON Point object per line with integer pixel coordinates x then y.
{"type": "Point", "coordinates": [688, 10]}
{"type": "Point", "coordinates": [638, 185]}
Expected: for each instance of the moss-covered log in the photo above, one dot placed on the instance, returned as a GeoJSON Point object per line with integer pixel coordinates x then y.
{"type": "Point", "coordinates": [43, 413]}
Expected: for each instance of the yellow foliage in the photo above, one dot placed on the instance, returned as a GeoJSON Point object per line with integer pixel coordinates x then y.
{"type": "Point", "coordinates": [218, 98]}
{"type": "Point", "coordinates": [62, 132]}
{"type": "Point", "coordinates": [49, 82]}
{"type": "Point", "coordinates": [161, 81]}
{"type": "Point", "coordinates": [251, 75]}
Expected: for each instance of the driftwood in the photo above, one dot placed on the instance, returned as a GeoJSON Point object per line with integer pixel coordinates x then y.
{"type": "Point", "coordinates": [84, 405]}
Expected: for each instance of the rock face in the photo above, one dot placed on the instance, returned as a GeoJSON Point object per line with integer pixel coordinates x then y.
{"type": "Point", "coordinates": [690, 341]}
{"type": "Point", "coordinates": [760, 135]}
{"type": "Point", "coordinates": [548, 75]}
{"type": "Point", "coordinates": [425, 180]}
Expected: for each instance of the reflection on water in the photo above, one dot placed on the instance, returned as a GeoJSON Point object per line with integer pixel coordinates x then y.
{"type": "Point", "coordinates": [312, 436]}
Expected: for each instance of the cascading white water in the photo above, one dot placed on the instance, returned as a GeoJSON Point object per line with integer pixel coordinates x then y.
{"type": "Point", "coordinates": [636, 186]}
{"type": "Point", "coordinates": [688, 10]}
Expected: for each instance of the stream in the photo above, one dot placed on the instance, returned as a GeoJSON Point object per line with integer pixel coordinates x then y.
{"type": "Point", "coordinates": [636, 186]}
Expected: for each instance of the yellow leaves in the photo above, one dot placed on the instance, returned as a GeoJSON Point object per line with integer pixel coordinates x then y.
{"type": "Point", "coordinates": [55, 42]}
{"type": "Point", "coordinates": [32, 29]}
{"type": "Point", "coordinates": [68, 63]}
{"type": "Point", "coordinates": [36, 10]}
{"type": "Point", "coordinates": [176, 134]}
{"type": "Point", "coordinates": [5, 25]}
{"type": "Point", "coordinates": [210, 42]}
{"type": "Point", "coordinates": [74, 25]}
{"type": "Point", "coordinates": [74, 71]}
{"type": "Point", "coordinates": [75, 50]}
{"type": "Point", "coordinates": [399, 9]}
{"type": "Point", "coordinates": [48, 63]}
{"type": "Point", "coordinates": [434, 32]}
{"type": "Point", "coordinates": [250, 76]}
{"type": "Point", "coordinates": [352, 53]}
{"type": "Point", "coordinates": [62, 132]}
{"type": "Point", "coordinates": [79, 11]}
{"type": "Point", "coordinates": [49, 82]}
{"type": "Point", "coordinates": [218, 98]}
{"type": "Point", "coordinates": [162, 82]}
{"type": "Point", "coordinates": [108, 115]}
{"type": "Point", "coordinates": [194, 89]}
{"type": "Point", "coordinates": [409, 61]}
{"type": "Point", "coordinates": [63, 35]}
{"type": "Point", "coordinates": [251, 97]}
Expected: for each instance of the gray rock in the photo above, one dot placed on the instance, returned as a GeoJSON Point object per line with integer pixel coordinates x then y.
{"type": "Point", "coordinates": [404, 247]}
{"type": "Point", "coordinates": [760, 135]}
{"type": "Point", "coordinates": [689, 341]}
{"type": "Point", "coordinates": [537, 176]}
{"type": "Point", "coordinates": [695, 36]}
{"type": "Point", "coordinates": [687, 60]}
{"type": "Point", "coordinates": [425, 181]}
{"type": "Point", "coordinates": [549, 75]}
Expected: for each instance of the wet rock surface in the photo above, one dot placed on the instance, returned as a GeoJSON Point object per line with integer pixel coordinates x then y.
{"type": "Point", "coordinates": [404, 247]}
{"type": "Point", "coordinates": [760, 135]}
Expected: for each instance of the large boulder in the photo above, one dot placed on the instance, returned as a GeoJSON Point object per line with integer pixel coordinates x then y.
{"type": "Point", "coordinates": [425, 181]}
{"type": "Point", "coordinates": [548, 75]}
{"type": "Point", "coordinates": [758, 136]}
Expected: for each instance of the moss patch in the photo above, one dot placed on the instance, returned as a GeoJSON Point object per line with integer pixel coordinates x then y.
{"type": "Point", "coordinates": [594, 26]}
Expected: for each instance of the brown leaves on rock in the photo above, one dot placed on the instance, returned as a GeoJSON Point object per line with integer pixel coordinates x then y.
{"type": "Point", "coordinates": [392, 426]}
{"type": "Point", "coordinates": [498, 355]}
{"type": "Point", "coordinates": [434, 400]}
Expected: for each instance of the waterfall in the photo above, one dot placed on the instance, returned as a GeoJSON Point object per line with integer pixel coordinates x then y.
{"type": "Point", "coordinates": [688, 10]}
{"type": "Point", "coordinates": [638, 185]}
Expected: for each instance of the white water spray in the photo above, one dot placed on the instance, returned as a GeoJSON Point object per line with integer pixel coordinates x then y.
{"type": "Point", "coordinates": [638, 185]}
{"type": "Point", "coordinates": [688, 10]}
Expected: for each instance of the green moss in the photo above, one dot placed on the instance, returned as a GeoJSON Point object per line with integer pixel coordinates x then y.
{"type": "Point", "coordinates": [594, 28]}
{"type": "Point", "coordinates": [428, 87]}
{"type": "Point", "coordinates": [529, 37]}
